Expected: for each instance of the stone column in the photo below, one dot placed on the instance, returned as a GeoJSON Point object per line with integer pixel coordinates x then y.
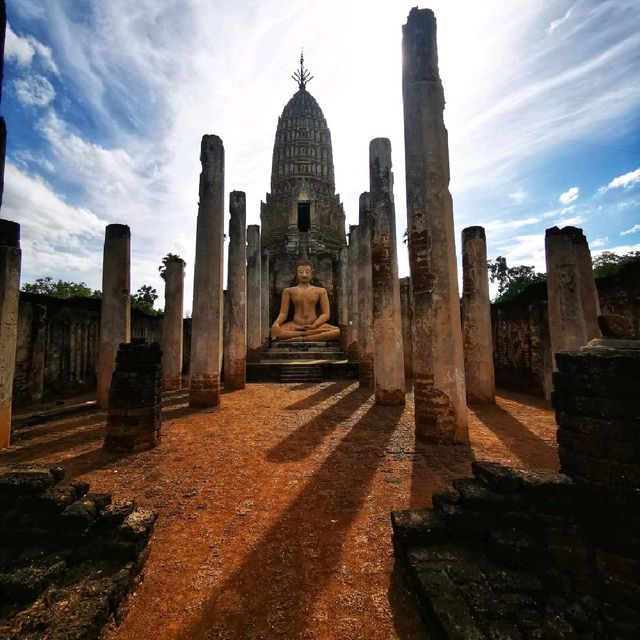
{"type": "Point", "coordinates": [572, 297]}
{"type": "Point", "coordinates": [406, 311]}
{"type": "Point", "coordinates": [343, 295]}
{"type": "Point", "coordinates": [265, 312]}
{"type": "Point", "coordinates": [476, 318]}
{"type": "Point", "coordinates": [441, 411]}
{"type": "Point", "coordinates": [365, 294]}
{"type": "Point", "coordinates": [172, 325]}
{"type": "Point", "coordinates": [388, 360]}
{"type": "Point", "coordinates": [254, 286]}
{"type": "Point", "coordinates": [235, 348]}
{"type": "Point", "coordinates": [10, 257]}
{"type": "Point", "coordinates": [352, 293]}
{"type": "Point", "coordinates": [115, 308]}
{"type": "Point", "coordinates": [206, 320]}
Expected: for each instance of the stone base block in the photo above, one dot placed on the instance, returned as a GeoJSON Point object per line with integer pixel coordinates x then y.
{"type": "Point", "coordinates": [204, 391]}
{"type": "Point", "coordinates": [366, 374]}
{"type": "Point", "coordinates": [435, 415]}
{"type": "Point", "coordinates": [254, 355]}
{"type": "Point", "coordinates": [390, 398]}
{"type": "Point", "coordinates": [235, 375]}
{"type": "Point", "coordinates": [172, 384]}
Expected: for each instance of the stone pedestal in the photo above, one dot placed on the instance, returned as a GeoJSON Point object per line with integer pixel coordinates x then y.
{"type": "Point", "coordinates": [135, 399]}
{"type": "Point", "coordinates": [596, 395]}
{"type": "Point", "coordinates": [365, 294]}
{"type": "Point", "coordinates": [115, 311]}
{"type": "Point", "coordinates": [441, 411]}
{"type": "Point", "coordinates": [476, 318]}
{"type": "Point", "coordinates": [572, 296]}
{"type": "Point", "coordinates": [10, 257]}
{"type": "Point", "coordinates": [206, 321]}
{"type": "Point", "coordinates": [406, 311]}
{"type": "Point", "coordinates": [172, 325]}
{"type": "Point", "coordinates": [352, 293]}
{"type": "Point", "coordinates": [254, 297]}
{"type": "Point", "coordinates": [387, 321]}
{"type": "Point", "coordinates": [235, 349]}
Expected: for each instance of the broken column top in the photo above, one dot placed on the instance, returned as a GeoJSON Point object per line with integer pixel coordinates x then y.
{"type": "Point", "coordinates": [365, 200]}
{"type": "Point", "coordinates": [9, 234]}
{"type": "Point", "coordinates": [420, 50]}
{"type": "Point", "coordinates": [380, 164]}
{"type": "Point", "coordinates": [237, 199]}
{"type": "Point", "coordinates": [210, 146]}
{"type": "Point", "coordinates": [574, 233]}
{"type": "Point", "coordinates": [473, 233]}
{"type": "Point", "coordinates": [118, 230]}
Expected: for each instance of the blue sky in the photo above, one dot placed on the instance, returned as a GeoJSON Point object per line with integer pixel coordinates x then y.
{"type": "Point", "coordinates": [106, 103]}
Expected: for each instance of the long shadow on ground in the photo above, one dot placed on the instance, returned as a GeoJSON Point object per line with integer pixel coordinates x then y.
{"type": "Point", "coordinates": [305, 439]}
{"type": "Point", "coordinates": [274, 590]}
{"type": "Point", "coordinates": [320, 395]}
{"type": "Point", "coordinates": [516, 436]}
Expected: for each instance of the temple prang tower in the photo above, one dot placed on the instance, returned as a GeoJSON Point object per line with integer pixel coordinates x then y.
{"type": "Point", "coordinates": [302, 217]}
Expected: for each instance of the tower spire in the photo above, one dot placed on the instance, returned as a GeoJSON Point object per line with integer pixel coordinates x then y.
{"type": "Point", "coordinates": [302, 75]}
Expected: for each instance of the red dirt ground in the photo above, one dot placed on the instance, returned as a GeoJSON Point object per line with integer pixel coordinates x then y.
{"type": "Point", "coordinates": [274, 507]}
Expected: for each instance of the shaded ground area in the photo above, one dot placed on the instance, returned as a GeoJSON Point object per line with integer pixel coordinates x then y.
{"type": "Point", "coordinates": [274, 507]}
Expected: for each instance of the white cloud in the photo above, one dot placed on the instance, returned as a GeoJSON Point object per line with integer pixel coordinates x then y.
{"type": "Point", "coordinates": [57, 239]}
{"type": "Point", "coordinates": [518, 196]}
{"type": "Point", "coordinates": [569, 196]}
{"type": "Point", "coordinates": [634, 229]}
{"type": "Point", "coordinates": [567, 222]}
{"type": "Point", "coordinates": [508, 225]}
{"type": "Point", "coordinates": [599, 242]}
{"type": "Point", "coordinates": [620, 249]}
{"type": "Point", "coordinates": [559, 22]}
{"type": "Point", "coordinates": [626, 181]}
{"type": "Point", "coordinates": [23, 50]}
{"type": "Point", "coordinates": [34, 90]}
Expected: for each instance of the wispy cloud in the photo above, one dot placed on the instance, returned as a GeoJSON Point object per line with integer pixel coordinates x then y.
{"type": "Point", "coordinates": [599, 242]}
{"type": "Point", "coordinates": [34, 90]}
{"type": "Point", "coordinates": [518, 196]}
{"type": "Point", "coordinates": [24, 49]}
{"type": "Point", "coordinates": [625, 181]}
{"type": "Point", "coordinates": [634, 229]}
{"type": "Point", "coordinates": [569, 196]}
{"type": "Point", "coordinates": [508, 225]}
{"type": "Point", "coordinates": [559, 22]}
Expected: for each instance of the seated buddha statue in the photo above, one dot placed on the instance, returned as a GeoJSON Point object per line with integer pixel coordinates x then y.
{"type": "Point", "coordinates": [307, 325]}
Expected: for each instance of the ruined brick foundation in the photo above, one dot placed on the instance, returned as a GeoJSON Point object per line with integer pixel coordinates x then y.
{"type": "Point", "coordinates": [68, 557]}
{"type": "Point", "coordinates": [527, 555]}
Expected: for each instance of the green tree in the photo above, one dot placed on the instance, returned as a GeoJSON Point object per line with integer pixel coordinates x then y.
{"type": "Point", "coordinates": [144, 298]}
{"type": "Point", "coordinates": [512, 281]}
{"type": "Point", "coordinates": [609, 263]}
{"type": "Point", "coordinates": [60, 289]}
{"type": "Point", "coordinates": [170, 257]}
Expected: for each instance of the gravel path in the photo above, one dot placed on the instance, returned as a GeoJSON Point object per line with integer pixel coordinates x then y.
{"type": "Point", "coordinates": [274, 507]}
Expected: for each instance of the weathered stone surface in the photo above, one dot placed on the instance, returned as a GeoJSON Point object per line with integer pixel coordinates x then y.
{"type": "Point", "coordinates": [406, 311]}
{"type": "Point", "coordinates": [254, 270]}
{"type": "Point", "coordinates": [206, 321]}
{"type": "Point", "coordinates": [134, 416]}
{"type": "Point", "coordinates": [353, 296]}
{"type": "Point", "coordinates": [64, 575]}
{"type": "Point", "coordinates": [572, 295]}
{"type": "Point", "coordinates": [615, 326]}
{"type": "Point", "coordinates": [235, 348]}
{"type": "Point", "coordinates": [115, 310]}
{"type": "Point", "coordinates": [387, 321]}
{"type": "Point", "coordinates": [172, 325]}
{"type": "Point", "coordinates": [365, 294]}
{"type": "Point", "coordinates": [10, 258]}
{"type": "Point", "coordinates": [441, 412]}
{"type": "Point", "coordinates": [476, 318]}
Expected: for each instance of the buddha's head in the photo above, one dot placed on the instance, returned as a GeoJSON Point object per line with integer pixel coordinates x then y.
{"type": "Point", "coordinates": [304, 272]}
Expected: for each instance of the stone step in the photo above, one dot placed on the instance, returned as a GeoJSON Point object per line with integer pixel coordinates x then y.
{"type": "Point", "coordinates": [305, 346]}
{"type": "Point", "coordinates": [303, 355]}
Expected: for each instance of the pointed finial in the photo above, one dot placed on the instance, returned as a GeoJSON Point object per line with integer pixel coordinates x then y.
{"type": "Point", "coordinates": [302, 76]}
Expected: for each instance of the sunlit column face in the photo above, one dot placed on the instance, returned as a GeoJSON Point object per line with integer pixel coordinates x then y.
{"type": "Point", "coordinates": [304, 274]}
